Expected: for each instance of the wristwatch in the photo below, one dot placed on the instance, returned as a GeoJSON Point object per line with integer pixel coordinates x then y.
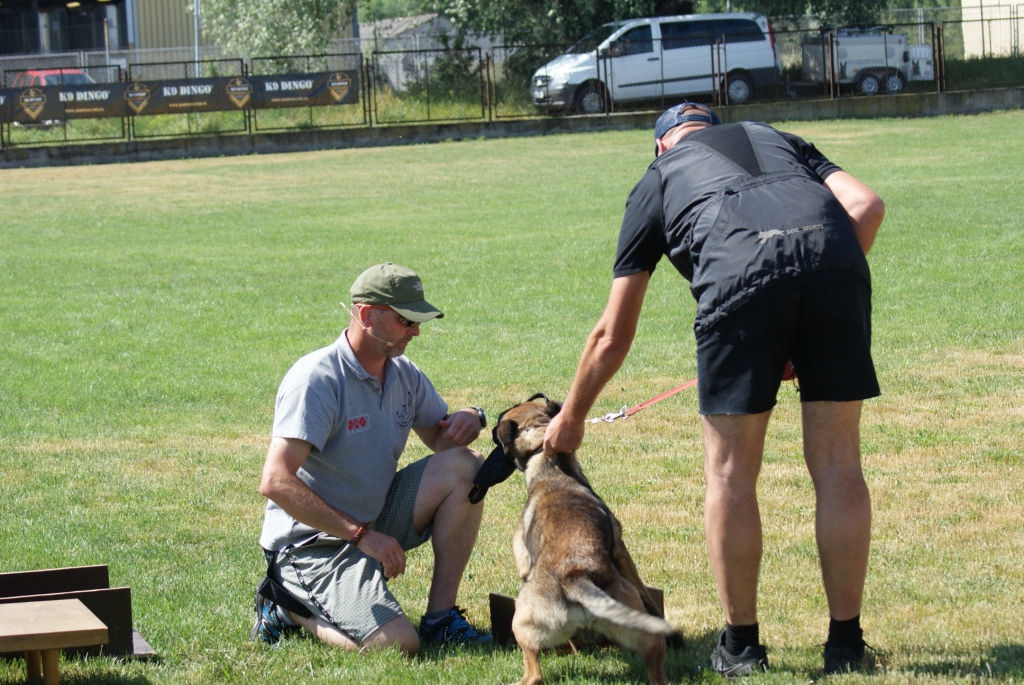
{"type": "Point", "coordinates": [483, 416]}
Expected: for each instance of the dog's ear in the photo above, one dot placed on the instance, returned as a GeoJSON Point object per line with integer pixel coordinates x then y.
{"type": "Point", "coordinates": [552, 408]}
{"type": "Point", "coordinates": [506, 431]}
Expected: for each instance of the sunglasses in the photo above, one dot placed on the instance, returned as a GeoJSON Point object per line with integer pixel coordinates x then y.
{"type": "Point", "coordinates": [401, 319]}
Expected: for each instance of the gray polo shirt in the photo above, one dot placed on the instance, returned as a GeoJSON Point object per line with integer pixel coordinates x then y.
{"type": "Point", "coordinates": [358, 431]}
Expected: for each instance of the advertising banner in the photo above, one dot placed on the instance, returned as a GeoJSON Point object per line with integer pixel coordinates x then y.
{"type": "Point", "coordinates": [46, 104]}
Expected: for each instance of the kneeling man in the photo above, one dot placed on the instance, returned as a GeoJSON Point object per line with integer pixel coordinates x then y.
{"type": "Point", "coordinates": [340, 515]}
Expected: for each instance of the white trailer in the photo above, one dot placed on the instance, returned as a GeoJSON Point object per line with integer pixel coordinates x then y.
{"type": "Point", "coordinates": [870, 62]}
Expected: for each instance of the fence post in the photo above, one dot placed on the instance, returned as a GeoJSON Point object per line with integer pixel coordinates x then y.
{"type": "Point", "coordinates": [716, 93]}
{"type": "Point", "coordinates": [371, 78]}
{"type": "Point", "coordinates": [488, 83]}
{"type": "Point", "coordinates": [250, 113]}
{"type": "Point", "coordinates": [832, 42]}
{"type": "Point", "coordinates": [364, 74]}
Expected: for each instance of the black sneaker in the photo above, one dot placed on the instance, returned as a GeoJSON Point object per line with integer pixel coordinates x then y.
{"type": "Point", "coordinates": [848, 658]}
{"type": "Point", "coordinates": [748, 662]}
{"type": "Point", "coordinates": [268, 626]}
{"type": "Point", "coordinates": [452, 629]}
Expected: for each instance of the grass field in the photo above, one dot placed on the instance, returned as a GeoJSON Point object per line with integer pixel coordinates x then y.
{"type": "Point", "coordinates": [148, 312]}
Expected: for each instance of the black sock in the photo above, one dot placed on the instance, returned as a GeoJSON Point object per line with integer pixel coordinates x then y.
{"type": "Point", "coordinates": [435, 616]}
{"type": "Point", "coordinates": [845, 633]}
{"type": "Point", "coordinates": [738, 638]}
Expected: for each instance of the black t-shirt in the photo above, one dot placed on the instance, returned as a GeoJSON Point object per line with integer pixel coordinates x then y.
{"type": "Point", "coordinates": [737, 209]}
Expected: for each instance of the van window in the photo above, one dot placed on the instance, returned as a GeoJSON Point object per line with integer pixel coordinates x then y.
{"type": "Point", "coordinates": [688, 34]}
{"type": "Point", "coordinates": [685, 34]}
{"type": "Point", "coordinates": [589, 42]}
{"type": "Point", "coordinates": [636, 41]}
{"type": "Point", "coordinates": [737, 30]}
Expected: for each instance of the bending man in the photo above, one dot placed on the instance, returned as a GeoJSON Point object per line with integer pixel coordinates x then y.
{"type": "Point", "coordinates": [772, 237]}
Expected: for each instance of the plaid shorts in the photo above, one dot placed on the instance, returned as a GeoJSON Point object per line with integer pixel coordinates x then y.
{"type": "Point", "coordinates": [340, 584]}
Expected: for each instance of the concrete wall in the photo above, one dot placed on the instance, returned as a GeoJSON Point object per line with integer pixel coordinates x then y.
{"type": "Point", "coordinates": [904, 106]}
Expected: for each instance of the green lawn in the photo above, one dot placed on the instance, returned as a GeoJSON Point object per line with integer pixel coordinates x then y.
{"type": "Point", "coordinates": [148, 312]}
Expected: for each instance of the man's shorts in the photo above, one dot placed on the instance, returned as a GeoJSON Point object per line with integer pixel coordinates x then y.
{"type": "Point", "coordinates": [824, 327]}
{"type": "Point", "coordinates": [339, 583]}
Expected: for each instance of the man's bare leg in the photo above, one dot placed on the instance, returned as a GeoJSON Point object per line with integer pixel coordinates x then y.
{"type": "Point", "coordinates": [443, 498]}
{"type": "Point", "coordinates": [843, 519]}
{"type": "Point", "coordinates": [733, 449]}
{"type": "Point", "coordinates": [397, 632]}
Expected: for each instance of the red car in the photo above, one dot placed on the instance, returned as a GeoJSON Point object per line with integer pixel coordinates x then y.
{"type": "Point", "coordinates": [51, 77]}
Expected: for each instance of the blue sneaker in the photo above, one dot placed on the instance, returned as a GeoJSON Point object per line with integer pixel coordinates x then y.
{"type": "Point", "coordinates": [269, 627]}
{"type": "Point", "coordinates": [452, 629]}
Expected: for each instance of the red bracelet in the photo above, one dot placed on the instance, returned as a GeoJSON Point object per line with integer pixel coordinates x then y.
{"type": "Point", "coordinates": [359, 534]}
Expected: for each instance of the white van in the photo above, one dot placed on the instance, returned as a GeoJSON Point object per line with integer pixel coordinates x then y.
{"type": "Point", "coordinates": [658, 57]}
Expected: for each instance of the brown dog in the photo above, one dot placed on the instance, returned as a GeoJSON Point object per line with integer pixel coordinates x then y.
{"type": "Point", "coordinates": [577, 574]}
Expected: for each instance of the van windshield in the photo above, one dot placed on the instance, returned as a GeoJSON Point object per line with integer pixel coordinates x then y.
{"type": "Point", "coordinates": [589, 42]}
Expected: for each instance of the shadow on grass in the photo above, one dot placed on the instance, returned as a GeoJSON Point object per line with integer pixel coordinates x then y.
{"type": "Point", "coordinates": [597, 660]}
{"type": "Point", "coordinates": [1005, 661]}
{"type": "Point", "coordinates": [101, 674]}
{"type": "Point", "coordinates": [110, 678]}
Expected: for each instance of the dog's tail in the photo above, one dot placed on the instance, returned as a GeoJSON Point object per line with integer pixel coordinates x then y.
{"type": "Point", "coordinates": [583, 591]}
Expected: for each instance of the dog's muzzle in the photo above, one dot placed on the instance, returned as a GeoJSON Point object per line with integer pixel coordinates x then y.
{"type": "Point", "coordinates": [498, 466]}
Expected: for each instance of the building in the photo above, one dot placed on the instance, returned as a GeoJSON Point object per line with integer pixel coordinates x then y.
{"type": "Point", "coordinates": [992, 28]}
{"type": "Point", "coordinates": [102, 37]}
{"type": "Point", "coordinates": [46, 26]}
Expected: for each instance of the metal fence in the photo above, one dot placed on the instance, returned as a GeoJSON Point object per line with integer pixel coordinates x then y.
{"type": "Point", "coordinates": [392, 87]}
{"type": "Point", "coordinates": [416, 86]}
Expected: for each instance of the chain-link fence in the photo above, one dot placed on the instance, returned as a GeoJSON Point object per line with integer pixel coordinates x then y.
{"type": "Point", "coordinates": [429, 85]}
{"type": "Point", "coordinates": [46, 99]}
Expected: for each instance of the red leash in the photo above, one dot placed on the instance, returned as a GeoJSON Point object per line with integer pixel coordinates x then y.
{"type": "Point", "coordinates": [625, 413]}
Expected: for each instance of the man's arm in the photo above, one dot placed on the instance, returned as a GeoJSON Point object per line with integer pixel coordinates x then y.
{"type": "Point", "coordinates": [281, 485]}
{"type": "Point", "coordinates": [455, 430]}
{"type": "Point", "coordinates": [864, 206]}
{"type": "Point", "coordinates": [605, 350]}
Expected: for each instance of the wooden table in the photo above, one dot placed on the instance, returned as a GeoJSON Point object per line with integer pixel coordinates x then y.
{"type": "Point", "coordinates": [42, 629]}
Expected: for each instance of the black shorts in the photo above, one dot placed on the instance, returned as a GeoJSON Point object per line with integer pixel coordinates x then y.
{"type": "Point", "coordinates": [824, 327]}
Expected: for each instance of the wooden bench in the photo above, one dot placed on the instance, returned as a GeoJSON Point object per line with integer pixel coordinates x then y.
{"type": "Point", "coordinates": [91, 585]}
{"type": "Point", "coordinates": [42, 629]}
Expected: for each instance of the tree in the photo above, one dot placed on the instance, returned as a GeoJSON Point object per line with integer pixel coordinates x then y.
{"type": "Point", "coordinates": [255, 28]}
{"type": "Point", "coordinates": [539, 22]}
{"type": "Point", "coordinates": [835, 12]}
{"type": "Point", "coordinates": [560, 22]}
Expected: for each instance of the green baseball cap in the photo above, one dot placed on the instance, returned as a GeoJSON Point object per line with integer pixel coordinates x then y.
{"type": "Point", "coordinates": [390, 285]}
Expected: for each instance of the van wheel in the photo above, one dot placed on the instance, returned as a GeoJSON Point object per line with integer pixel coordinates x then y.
{"type": "Point", "coordinates": [740, 88]}
{"type": "Point", "coordinates": [894, 82]}
{"type": "Point", "coordinates": [869, 84]}
{"type": "Point", "coordinates": [590, 99]}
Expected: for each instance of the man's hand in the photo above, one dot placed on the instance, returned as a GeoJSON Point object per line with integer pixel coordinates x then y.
{"type": "Point", "coordinates": [563, 436]}
{"type": "Point", "coordinates": [606, 348]}
{"type": "Point", "coordinates": [460, 428]}
{"type": "Point", "coordinates": [386, 550]}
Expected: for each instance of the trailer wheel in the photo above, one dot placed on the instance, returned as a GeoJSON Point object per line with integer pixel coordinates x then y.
{"type": "Point", "coordinates": [894, 82]}
{"type": "Point", "coordinates": [869, 84]}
